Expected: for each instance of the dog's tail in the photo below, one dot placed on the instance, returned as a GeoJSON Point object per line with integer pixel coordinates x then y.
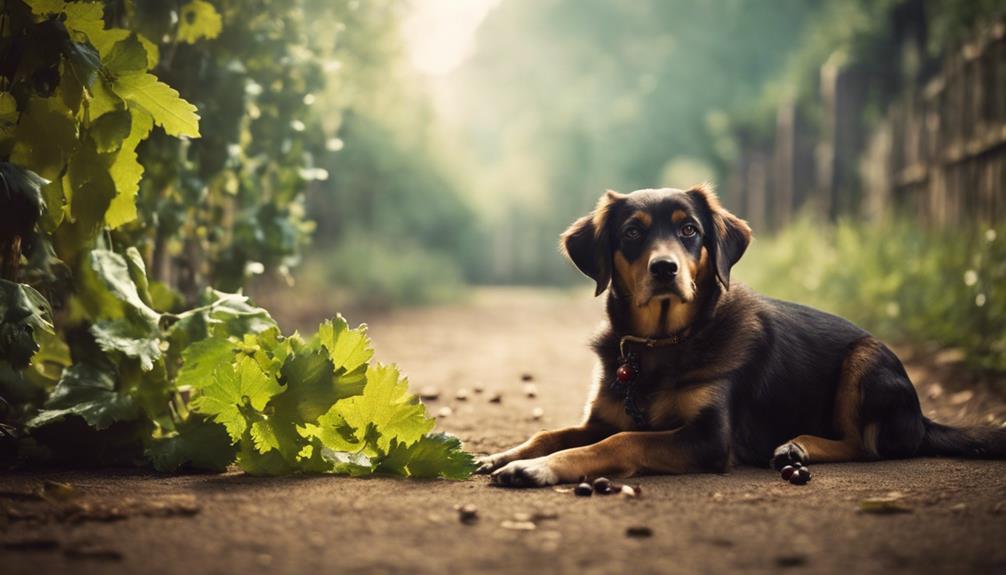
{"type": "Point", "coordinates": [982, 442]}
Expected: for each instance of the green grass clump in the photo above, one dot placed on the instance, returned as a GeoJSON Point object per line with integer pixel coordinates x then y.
{"type": "Point", "coordinates": [902, 281]}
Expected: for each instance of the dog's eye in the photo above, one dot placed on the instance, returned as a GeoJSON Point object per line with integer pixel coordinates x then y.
{"type": "Point", "coordinates": [632, 233]}
{"type": "Point", "coordinates": [689, 230]}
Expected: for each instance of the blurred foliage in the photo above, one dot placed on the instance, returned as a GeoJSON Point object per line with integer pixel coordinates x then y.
{"type": "Point", "coordinates": [565, 98]}
{"type": "Point", "coordinates": [895, 278]}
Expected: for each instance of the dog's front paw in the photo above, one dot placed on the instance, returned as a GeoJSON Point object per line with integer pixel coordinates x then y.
{"type": "Point", "coordinates": [489, 463]}
{"type": "Point", "coordinates": [526, 473]}
{"type": "Point", "coordinates": [788, 454]}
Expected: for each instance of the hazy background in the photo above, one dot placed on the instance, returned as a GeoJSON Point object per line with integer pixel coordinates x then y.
{"type": "Point", "coordinates": [863, 140]}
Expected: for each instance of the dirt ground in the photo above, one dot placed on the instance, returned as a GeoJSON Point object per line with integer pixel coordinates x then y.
{"type": "Point", "coordinates": [953, 517]}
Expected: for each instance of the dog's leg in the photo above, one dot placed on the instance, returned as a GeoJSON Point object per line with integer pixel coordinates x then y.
{"type": "Point", "coordinates": [546, 442]}
{"type": "Point", "coordinates": [700, 445]}
{"type": "Point", "coordinates": [807, 448]}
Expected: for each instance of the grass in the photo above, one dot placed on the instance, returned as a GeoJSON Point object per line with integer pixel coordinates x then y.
{"type": "Point", "coordinates": [904, 282]}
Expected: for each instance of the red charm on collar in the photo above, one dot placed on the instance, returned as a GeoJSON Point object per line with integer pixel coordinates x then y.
{"type": "Point", "coordinates": [625, 373]}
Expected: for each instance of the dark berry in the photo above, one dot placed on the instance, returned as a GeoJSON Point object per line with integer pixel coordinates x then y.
{"type": "Point", "coordinates": [625, 373]}
{"type": "Point", "coordinates": [801, 476]}
{"type": "Point", "coordinates": [583, 490]}
{"type": "Point", "coordinates": [797, 463]}
{"type": "Point", "coordinates": [602, 485]}
{"type": "Point", "coordinates": [787, 472]}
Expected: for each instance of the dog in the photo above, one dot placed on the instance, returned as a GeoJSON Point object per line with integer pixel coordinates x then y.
{"type": "Point", "coordinates": [696, 374]}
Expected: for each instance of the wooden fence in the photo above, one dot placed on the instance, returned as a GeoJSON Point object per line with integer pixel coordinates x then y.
{"type": "Point", "coordinates": [937, 151]}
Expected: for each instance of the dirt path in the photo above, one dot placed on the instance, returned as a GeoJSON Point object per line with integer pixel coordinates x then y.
{"type": "Point", "coordinates": [131, 522]}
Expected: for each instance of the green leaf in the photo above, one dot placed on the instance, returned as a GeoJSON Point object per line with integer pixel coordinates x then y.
{"type": "Point", "coordinates": [111, 271]}
{"type": "Point", "coordinates": [45, 137]}
{"type": "Point", "coordinates": [127, 55]}
{"type": "Point", "coordinates": [109, 130]}
{"type": "Point", "coordinates": [83, 63]}
{"type": "Point", "coordinates": [235, 388]}
{"type": "Point", "coordinates": [89, 391]}
{"type": "Point", "coordinates": [348, 348]}
{"type": "Point", "coordinates": [126, 172]}
{"type": "Point", "coordinates": [435, 455]}
{"type": "Point", "coordinates": [198, 19]}
{"type": "Point", "coordinates": [162, 102]}
{"type": "Point", "coordinates": [196, 444]}
{"type": "Point", "coordinates": [129, 337]}
{"type": "Point", "coordinates": [201, 359]}
{"type": "Point", "coordinates": [91, 187]}
{"type": "Point", "coordinates": [387, 406]}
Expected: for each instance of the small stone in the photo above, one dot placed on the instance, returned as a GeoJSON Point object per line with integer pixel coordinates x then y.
{"type": "Point", "coordinates": [461, 395]}
{"type": "Point", "coordinates": [544, 515]}
{"type": "Point", "coordinates": [961, 397]}
{"type": "Point", "coordinates": [887, 505]}
{"type": "Point", "coordinates": [583, 490]}
{"type": "Point", "coordinates": [794, 560]}
{"type": "Point", "coordinates": [495, 397]}
{"type": "Point", "coordinates": [959, 507]}
{"type": "Point", "coordinates": [639, 531]}
{"type": "Point", "coordinates": [468, 514]}
{"type": "Point", "coordinates": [478, 389]}
{"type": "Point", "coordinates": [526, 376]}
{"type": "Point", "coordinates": [518, 525]}
{"type": "Point", "coordinates": [628, 491]}
{"type": "Point", "coordinates": [444, 411]}
{"type": "Point", "coordinates": [531, 390]}
{"type": "Point", "coordinates": [537, 413]}
{"type": "Point", "coordinates": [522, 516]}
{"type": "Point", "coordinates": [429, 393]}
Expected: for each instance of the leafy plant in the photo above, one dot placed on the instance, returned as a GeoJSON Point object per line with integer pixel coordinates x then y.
{"type": "Point", "coordinates": [130, 377]}
{"type": "Point", "coordinates": [941, 287]}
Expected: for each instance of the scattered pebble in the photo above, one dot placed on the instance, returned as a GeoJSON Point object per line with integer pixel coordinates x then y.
{"type": "Point", "coordinates": [544, 515]}
{"type": "Point", "coordinates": [496, 397]}
{"type": "Point", "coordinates": [961, 397]}
{"type": "Point", "coordinates": [519, 525]}
{"type": "Point", "coordinates": [959, 507]}
{"type": "Point", "coordinates": [630, 491]}
{"type": "Point", "coordinates": [639, 531]}
{"type": "Point", "coordinates": [444, 411]}
{"type": "Point", "coordinates": [794, 560]}
{"type": "Point", "coordinates": [429, 393]}
{"type": "Point", "coordinates": [468, 514]}
{"type": "Point", "coordinates": [526, 376]}
{"type": "Point", "coordinates": [531, 390]}
{"type": "Point", "coordinates": [92, 551]}
{"type": "Point", "coordinates": [461, 395]}
{"type": "Point", "coordinates": [56, 491]}
{"type": "Point", "coordinates": [583, 490]}
{"type": "Point", "coordinates": [889, 504]}
{"type": "Point", "coordinates": [478, 389]}
{"type": "Point", "coordinates": [537, 413]}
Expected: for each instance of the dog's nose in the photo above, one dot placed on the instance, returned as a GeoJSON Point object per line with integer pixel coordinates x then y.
{"type": "Point", "coordinates": [663, 269]}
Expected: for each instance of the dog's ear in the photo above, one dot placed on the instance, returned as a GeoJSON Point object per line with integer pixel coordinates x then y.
{"type": "Point", "coordinates": [587, 242]}
{"type": "Point", "coordinates": [731, 235]}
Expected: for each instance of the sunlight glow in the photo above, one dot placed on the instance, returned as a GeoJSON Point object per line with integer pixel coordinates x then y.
{"type": "Point", "coordinates": [438, 33]}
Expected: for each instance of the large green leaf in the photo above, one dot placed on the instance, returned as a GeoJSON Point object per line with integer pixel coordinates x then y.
{"type": "Point", "coordinates": [349, 348]}
{"type": "Point", "coordinates": [46, 135]}
{"type": "Point", "coordinates": [235, 389]}
{"type": "Point", "coordinates": [88, 391]}
{"type": "Point", "coordinates": [162, 102]}
{"type": "Point", "coordinates": [385, 405]}
{"type": "Point", "coordinates": [201, 359]}
{"type": "Point", "coordinates": [131, 338]}
{"type": "Point", "coordinates": [196, 444]}
{"type": "Point", "coordinates": [126, 172]}
{"type": "Point", "coordinates": [435, 455]}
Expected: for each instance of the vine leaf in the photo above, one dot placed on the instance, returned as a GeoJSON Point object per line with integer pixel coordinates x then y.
{"type": "Point", "coordinates": [126, 172]}
{"type": "Point", "coordinates": [197, 20]}
{"type": "Point", "coordinates": [162, 102]}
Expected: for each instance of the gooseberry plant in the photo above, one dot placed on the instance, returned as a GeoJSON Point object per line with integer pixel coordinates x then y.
{"type": "Point", "coordinates": [100, 363]}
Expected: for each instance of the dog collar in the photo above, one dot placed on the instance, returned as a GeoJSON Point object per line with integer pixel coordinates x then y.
{"type": "Point", "coordinates": [628, 372]}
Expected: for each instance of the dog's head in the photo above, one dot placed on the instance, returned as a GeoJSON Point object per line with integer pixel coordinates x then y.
{"type": "Point", "coordinates": [657, 244]}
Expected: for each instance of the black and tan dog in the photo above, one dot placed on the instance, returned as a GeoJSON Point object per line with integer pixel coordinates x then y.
{"type": "Point", "coordinates": [696, 374]}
